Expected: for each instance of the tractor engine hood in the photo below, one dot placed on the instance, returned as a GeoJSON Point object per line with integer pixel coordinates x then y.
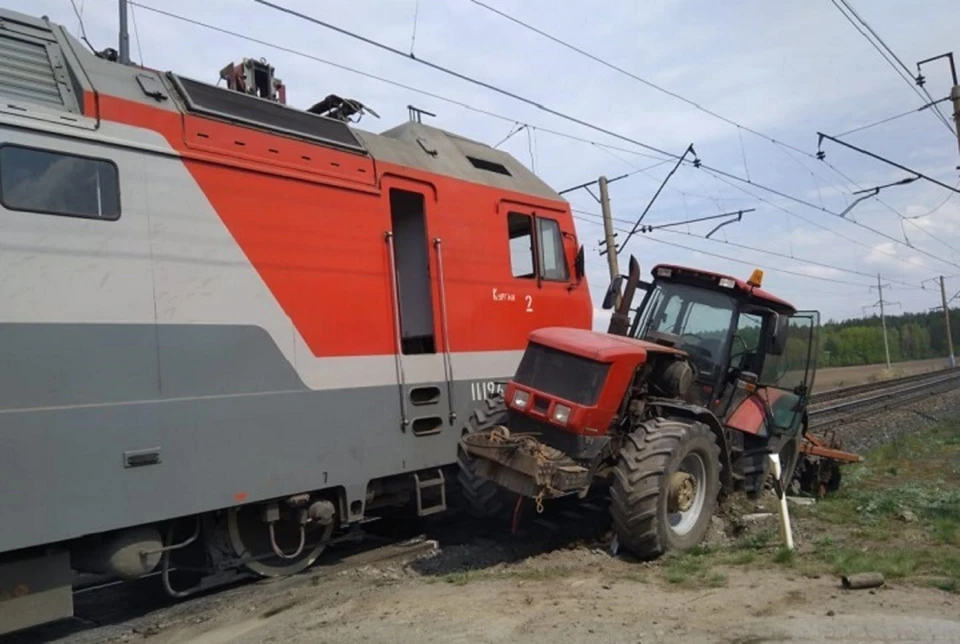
{"type": "Point", "coordinates": [595, 345]}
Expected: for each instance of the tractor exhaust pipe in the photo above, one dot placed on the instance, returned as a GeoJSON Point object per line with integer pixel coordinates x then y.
{"type": "Point", "coordinates": [620, 320]}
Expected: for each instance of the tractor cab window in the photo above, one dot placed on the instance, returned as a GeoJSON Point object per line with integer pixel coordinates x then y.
{"type": "Point", "coordinates": [745, 349]}
{"type": "Point", "coordinates": [794, 366]}
{"type": "Point", "coordinates": [692, 319]}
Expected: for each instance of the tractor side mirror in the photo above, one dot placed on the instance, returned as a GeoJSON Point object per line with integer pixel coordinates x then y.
{"type": "Point", "coordinates": [613, 291]}
{"type": "Point", "coordinates": [579, 265]}
{"type": "Point", "coordinates": [778, 343]}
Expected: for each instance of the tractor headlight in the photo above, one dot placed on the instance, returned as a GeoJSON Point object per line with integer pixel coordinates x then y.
{"type": "Point", "coordinates": [561, 414]}
{"type": "Point", "coordinates": [726, 282]}
{"type": "Point", "coordinates": [521, 399]}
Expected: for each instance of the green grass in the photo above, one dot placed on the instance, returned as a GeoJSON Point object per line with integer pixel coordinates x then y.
{"type": "Point", "coordinates": [460, 578]}
{"type": "Point", "coordinates": [898, 512]}
{"type": "Point", "coordinates": [759, 541]}
{"type": "Point", "coordinates": [948, 585]}
{"type": "Point", "coordinates": [784, 556]}
{"type": "Point", "coordinates": [742, 557]}
{"type": "Point", "coordinates": [693, 569]}
{"type": "Point", "coordinates": [540, 574]}
{"type": "Point", "coordinates": [946, 531]}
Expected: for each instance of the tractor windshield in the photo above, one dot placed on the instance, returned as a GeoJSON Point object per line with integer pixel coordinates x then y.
{"type": "Point", "coordinates": [695, 320]}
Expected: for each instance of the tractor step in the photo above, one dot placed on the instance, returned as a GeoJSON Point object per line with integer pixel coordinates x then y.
{"type": "Point", "coordinates": [438, 482]}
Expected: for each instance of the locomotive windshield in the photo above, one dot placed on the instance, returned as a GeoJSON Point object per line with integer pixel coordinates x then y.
{"type": "Point", "coordinates": [695, 320]}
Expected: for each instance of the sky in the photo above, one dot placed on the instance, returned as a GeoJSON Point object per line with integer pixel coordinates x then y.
{"type": "Point", "coordinates": [783, 70]}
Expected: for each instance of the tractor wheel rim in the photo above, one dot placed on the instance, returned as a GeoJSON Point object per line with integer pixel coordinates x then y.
{"type": "Point", "coordinates": [683, 491]}
{"type": "Point", "coordinates": [685, 515]}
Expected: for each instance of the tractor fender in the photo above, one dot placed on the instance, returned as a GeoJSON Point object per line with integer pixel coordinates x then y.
{"type": "Point", "coordinates": [695, 412]}
{"type": "Point", "coordinates": [755, 415]}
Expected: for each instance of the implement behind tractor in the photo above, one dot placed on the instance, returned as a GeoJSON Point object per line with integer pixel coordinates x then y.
{"type": "Point", "coordinates": [670, 409]}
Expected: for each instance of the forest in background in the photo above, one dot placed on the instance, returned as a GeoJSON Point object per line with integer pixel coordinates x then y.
{"type": "Point", "coordinates": [912, 336]}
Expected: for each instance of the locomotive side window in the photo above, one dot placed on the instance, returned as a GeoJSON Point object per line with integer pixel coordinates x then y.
{"type": "Point", "coordinates": [520, 228]}
{"type": "Point", "coordinates": [553, 261]}
{"type": "Point", "coordinates": [55, 183]}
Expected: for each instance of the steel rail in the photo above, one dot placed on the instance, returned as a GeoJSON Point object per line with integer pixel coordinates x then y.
{"type": "Point", "coordinates": [868, 387]}
{"type": "Point", "coordinates": [886, 396]}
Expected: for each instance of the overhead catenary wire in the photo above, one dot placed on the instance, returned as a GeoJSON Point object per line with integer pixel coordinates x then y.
{"type": "Point", "coordinates": [582, 216]}
{"type": "Point", "coordinates": [935, 208]}
{"type": "Point", "coordinates": [416, 15]}
{"type": "Point", "coordinates": [528, 101]}
{"type": "Point", "coordinates": [136, 33]}
{"type": "Point", "coordinates": [516, 129]}
{"type": "Point", "coordinates": [753, 264]}
{"type": "Point", "coordinates": [892, 118]}
{"type": "Point", "coordinates": [502, 117]}
{"type": "Point", "coordinates": [388, 81]}
{"type": "Point", "coordinates": [903, 66]}
{"type": "Point", "coordinates": [636, 77]}
{"type": "Point", "coordinates": [852, 240]}
{"type": "Point", "coordinates": [887, 54]}
{"type": "Point", "coordinates": [903, 218]}
{"type": "Point", "coordinates": [610, 65]}
{"type": "Point", "coordinates": [83, 29]}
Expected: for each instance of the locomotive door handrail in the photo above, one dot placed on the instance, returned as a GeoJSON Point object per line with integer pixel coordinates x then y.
{"type": "Point", "coordinates": [401, 378]}
{"type": "Point", "coordinates": [447, 365]}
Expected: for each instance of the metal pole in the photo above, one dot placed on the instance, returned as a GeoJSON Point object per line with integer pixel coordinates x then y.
{"type": "Point", "coordinates": [608, 229]}
{"type": "Point", "coordinates": [946, 319]}
{"type": "Point", "coordinates": [883, 322]}
{"type": "Point", "coordinates": [124, 35]}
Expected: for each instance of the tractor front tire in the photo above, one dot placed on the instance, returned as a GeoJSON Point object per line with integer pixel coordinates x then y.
{"type": "Point", "coordinates": [651, 486]}
{"type": "Point", "coordinates": [484, 498]}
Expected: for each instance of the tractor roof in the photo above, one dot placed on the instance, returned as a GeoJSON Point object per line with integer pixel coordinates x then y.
{"type": "Point", "coordinates": [707, 279]}
{"type": "Point", "coordinates": [602, 347]}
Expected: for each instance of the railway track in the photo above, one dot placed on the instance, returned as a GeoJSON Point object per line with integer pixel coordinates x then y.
{"type": "Point", "coordinates": [838, 406]}
{"type": "Point", "coordinates": [105, 609]}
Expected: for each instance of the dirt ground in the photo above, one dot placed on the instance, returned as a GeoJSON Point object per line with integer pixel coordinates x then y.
{"type": "Point", "coordinates": [575, 596]}
{"type": "Point", "coordinates": [898, 513]}
{"type": "Point", "coordinates": [848, 376]}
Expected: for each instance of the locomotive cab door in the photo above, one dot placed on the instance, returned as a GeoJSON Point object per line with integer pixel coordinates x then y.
{"type": "Point", "coordinates": [424, 371]}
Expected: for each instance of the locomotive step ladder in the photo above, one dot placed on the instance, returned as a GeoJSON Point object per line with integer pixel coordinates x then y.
{"type": "Point", "coordinates": [431, 484]}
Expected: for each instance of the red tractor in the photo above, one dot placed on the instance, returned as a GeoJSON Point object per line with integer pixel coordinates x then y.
{"type": "Point", "coordinates": [670, 410]}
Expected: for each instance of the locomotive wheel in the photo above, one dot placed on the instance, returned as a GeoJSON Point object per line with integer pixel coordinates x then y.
{"type": "Point", "coordinates": [250, 539]}
{"type": "Point", "coordinates": [665, 487]}
{"type": "Point", "coordinates": [484, 498]}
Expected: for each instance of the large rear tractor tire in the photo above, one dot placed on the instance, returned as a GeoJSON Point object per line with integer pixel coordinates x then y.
{"type": "Point", "coordinates": [484, 498]}
{"type": "Point", "coordinates": [665, 487]}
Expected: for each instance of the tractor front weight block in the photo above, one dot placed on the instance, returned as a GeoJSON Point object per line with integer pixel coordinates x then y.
{"type": "Point", "coordinates": [524, 465]}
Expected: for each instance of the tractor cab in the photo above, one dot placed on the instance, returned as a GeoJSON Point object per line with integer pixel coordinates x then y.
{"type": "Point", "coordinates": [739, 338]}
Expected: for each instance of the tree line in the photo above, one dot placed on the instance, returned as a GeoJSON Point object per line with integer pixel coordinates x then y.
{"type": "Point", "coordinates": [912, 336]}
